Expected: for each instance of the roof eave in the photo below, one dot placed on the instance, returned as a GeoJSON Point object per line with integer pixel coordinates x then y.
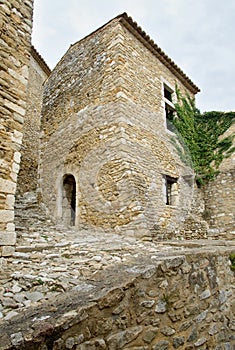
{"type": "Point", "coordinates": [156, 50]}
{"type": "Point", "coordinates": [40, 60]}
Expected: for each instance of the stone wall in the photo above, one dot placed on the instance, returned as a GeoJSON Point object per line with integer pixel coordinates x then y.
{"type": "Point", "coordinates": [109, 63]}
{"type": "Point", "coordinates": [179, 302]}
{"type": "Point", "coordinates": [16, 25]}
{"type": "Point", "coordinates": [28, 174]}
{"type": "Point", "coordinates": [220, 204]}
{"type": "Point", "coordinates": [103, 123]}
{"type": "Point", "coordinates": [220, 198]}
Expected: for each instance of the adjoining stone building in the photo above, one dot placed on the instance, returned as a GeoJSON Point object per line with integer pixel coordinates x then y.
{"type": "Point", "coordinates": [109, 158]}
{"type": "Point", "coordinates": [219, 197]}
{"type": "Point", "coordinates": [38, 74]}
{"type": "Point", "coordinates": [16, 26]}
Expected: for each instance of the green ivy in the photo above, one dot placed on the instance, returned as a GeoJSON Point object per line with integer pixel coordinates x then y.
{"type": "Point", "coordinates": [201, 133]}
{"type": "Point", "coordinates": [232, 259]}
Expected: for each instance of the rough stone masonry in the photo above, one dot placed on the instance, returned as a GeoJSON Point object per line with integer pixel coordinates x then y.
{"type": "Point", "coordinates": [112, 284]}
{"type": "Point", "coordinates": [16, 26]}
{"type": "Point", "coordinates": [108, 159]}
{"type": "Point", "coordinates": [77, 291]}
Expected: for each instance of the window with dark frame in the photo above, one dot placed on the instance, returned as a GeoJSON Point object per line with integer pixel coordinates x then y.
{"type": "Point", "coordinates": [169, 111]}
{"type": "Point", "coordinates": [169, 107]}
{"type": "Point", "coordinates": [171, 190]}
{"type": "Point", "coordinates": [167, 93]}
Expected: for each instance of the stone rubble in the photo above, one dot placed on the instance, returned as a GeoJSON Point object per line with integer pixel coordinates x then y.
{"type": "Point", "coordinates": [51, 259]}
{"type": "Point", "coordinates": [55, 262]}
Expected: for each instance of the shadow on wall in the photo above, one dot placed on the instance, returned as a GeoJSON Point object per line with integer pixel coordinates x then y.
{"type": "Point", "coordinates": [69, 200]}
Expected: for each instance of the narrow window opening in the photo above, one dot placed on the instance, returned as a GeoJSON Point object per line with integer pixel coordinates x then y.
{"type": "Point", "coordinates": [171, 190]}
{"type": "Point", "coordinates": [169, 107]}
{"type": "Point", "coordinates": [167, 93]}
{"type": "Point", "coordinates": [69, 200]}
{"type": "Point", "coordinates": [169, 116]}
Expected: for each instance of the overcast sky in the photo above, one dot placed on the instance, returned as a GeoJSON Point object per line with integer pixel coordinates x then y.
{"type": "Point", "coordinates": [197, 34]}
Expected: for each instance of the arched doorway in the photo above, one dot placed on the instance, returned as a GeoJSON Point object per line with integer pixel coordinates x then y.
{"type": "Point", "coordinates": [69, 200]}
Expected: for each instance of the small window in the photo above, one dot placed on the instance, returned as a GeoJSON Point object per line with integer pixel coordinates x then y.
{"type": "Point", "coordinates": [168, 93]}
{"type": "Point", "coordinates": [171, 190]}
{"type": "Point", "coordinates": [169, 106]}
{"type": "Point", "coordinates": [169, 116]}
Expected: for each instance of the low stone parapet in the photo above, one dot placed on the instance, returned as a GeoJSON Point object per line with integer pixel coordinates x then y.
{"type": "Point", "coordinates": [160, 301]}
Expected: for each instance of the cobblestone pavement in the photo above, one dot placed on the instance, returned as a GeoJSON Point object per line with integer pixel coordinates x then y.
{"type": "Point", "coordinates": [50, 260]}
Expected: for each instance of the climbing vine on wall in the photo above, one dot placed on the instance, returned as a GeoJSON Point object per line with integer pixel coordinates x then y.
{"type": "Point", "coordinates": [202, 133]}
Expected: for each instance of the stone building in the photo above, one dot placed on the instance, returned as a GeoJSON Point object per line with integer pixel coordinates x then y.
{"type": "Point", "coordinates": [106, 158]}
{"type": "Point", "coordinates": [102, 153]}
{"type": "Point", "coordinates": [16, 26]}
{"type": "Point", "coordinates": [28, 174]}
{"type": "Point", "coordinates": [109, 158]}
{"type": "Point", "coordinates": [219, 196]}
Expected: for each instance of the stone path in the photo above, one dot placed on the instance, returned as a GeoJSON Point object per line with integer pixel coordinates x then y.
{"type": "Point", "coordinates": [56, 261]}
{"type": "Point", "coordinates": [50, 260]}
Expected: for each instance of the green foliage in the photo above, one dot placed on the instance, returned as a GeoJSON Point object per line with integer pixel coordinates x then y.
{"type": "Point", "coordinates": [38, 281]}
{"type": "Point", "coordinates": [232, 259]}
{"type": "Point", "coordinates": [201, 133]}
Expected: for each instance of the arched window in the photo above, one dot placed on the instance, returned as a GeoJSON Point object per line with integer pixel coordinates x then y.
{"type": "Point", "coordinates": [69, 200]}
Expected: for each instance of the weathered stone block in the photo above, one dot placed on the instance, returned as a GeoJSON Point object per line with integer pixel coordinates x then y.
{"type": "Point", "coordinates": [17, 156]}
{"type": "Point", "coordinates": [178, 341]}
{"type": "Point", "coordinates": [205, 295]}
{"type": "Point", "coordinates": [162, 345]}
{"type": "Point", "coordinates": [7, 215]}
{"type": "Point", "coordinates": [17, 339]}
{"type": "Point", "coordinates": [8, 251]}
{"type": "Point", "coordinates": [7, 186]}
{"type": "Point", "coordinates": [150, 334]}
{"type": "Point", "coordinates": [168, 331]}
{"type": "Point", "coordinates": [161, 307]}
{"type": "Point", "coordinates": [10, 227]}
{"type": "Point", "coordinates": [200, 342]}
{"type": "Point", "coordinates": [119, 340]}
{"type": "Point", "coordinates": [7, 238]}
{"type": "Point", "coordinates": [10, 201]}
{"type": "Point", "coordinates": [111, 298]}
{"type": "Point", "coordinates": [15, 108]}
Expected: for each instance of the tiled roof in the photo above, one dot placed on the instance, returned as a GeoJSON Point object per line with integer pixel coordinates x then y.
{"type": "Point", "coordinates": [40, 60]}
{"type": "Point", "coordinates": [157, 51]}
{"type": "Point", "coordinates": [140, 34]}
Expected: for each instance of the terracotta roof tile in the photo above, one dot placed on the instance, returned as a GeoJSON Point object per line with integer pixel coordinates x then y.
{"type": "Point", "coordinates": [140, 34]}
{"type": "Point", "coordinates": [157, 51]}
{"type": "Point", "coordinates": [40, 60]}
